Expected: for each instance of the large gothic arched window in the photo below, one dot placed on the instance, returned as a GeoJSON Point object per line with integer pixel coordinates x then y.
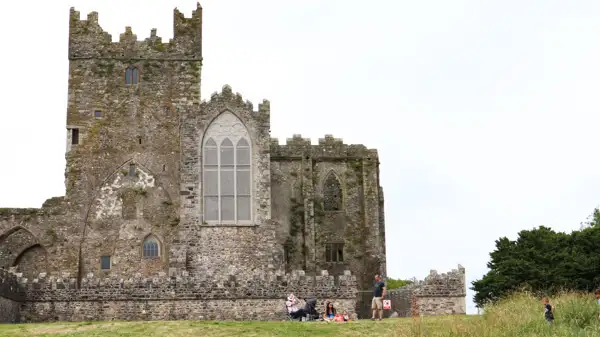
{"type": "Point", "coordinates": [332, 193]}
{"type": "Point", "coordinates": [227, 172]}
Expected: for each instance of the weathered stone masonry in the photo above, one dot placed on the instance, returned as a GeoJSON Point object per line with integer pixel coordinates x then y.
{"type": "Point", "coordinates": [183, 296]}
{"type": "Point", "coordinates": [11, 298]}
{"type": "Point", "coordinates": [437, 294]}
{"type": "Point", "coordinates": [149, 191]}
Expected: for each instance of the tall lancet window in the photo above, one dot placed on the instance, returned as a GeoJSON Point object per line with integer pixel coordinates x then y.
{"type": "Point", "coordinates": [227, 172]}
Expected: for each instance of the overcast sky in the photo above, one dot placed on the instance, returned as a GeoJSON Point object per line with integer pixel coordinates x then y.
{"type": "Point", "coordinates": [485, 113]}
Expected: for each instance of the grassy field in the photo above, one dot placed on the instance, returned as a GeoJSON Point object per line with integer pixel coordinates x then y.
{"type": "Point", "coordinates": [521, 315]}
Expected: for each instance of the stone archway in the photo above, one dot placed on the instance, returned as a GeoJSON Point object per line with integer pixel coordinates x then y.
{"type": "Point", "coordinates": [21, 249]}
{"type": "Point", "coordinates": [31, 262]}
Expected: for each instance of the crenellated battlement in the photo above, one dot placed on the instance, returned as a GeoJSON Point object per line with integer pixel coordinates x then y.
{"type": "Point", "coordinates": [9, 286]}
{"type": "Point", "coordinates": [88, 40]}
{"type": "Point", "coordinates": [327, 147]}
{"type": "Point", "coordinates": [228, 98]}
{"type": "Point", "coordinates": [184, 286]}
{"type": "Point", "coordinates": [436, 294]}
{"type": "Point", "coordinates": [451, 284]}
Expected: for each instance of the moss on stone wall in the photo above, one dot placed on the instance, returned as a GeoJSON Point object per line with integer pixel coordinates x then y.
{"type": "Point", "coordinates": [5, 212]}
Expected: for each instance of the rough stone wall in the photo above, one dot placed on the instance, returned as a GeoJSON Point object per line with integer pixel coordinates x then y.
{"type": "Point", "coordinates": [123, 124]}
{"type": "Point", "coordinates": [437, 294]}
{"type": "Point", "coordinates": [35, 240]}
{"type": "Point", "coordinates": [260, 296]}
{"type": "Point", "coordinates": [225, 248]}
{"type": "Point", "coordinates": [300, 175]}
{"type": "Point", "coordinates": [11, 297]}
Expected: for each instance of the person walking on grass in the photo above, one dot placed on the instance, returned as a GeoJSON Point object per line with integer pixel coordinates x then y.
{"type": "Point", "coordinates": [378, 294]}
{"type": "Point", "coordinates": [548, 310]}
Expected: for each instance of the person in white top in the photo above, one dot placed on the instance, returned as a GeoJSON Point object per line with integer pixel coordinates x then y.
{"type": "Point", "coordinates": [292, 307]}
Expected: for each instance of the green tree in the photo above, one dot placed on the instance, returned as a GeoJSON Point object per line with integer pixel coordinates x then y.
{"type": "Point", "coordinates": [391, 283]}
{"type": "Point", "coordinates": [593, 220]}
{"type": "Point", "coordinates": [542, 261]}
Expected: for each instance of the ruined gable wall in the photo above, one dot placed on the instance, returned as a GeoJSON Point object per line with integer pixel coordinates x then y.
{"type": "Point", "coordinates": [34, 240]}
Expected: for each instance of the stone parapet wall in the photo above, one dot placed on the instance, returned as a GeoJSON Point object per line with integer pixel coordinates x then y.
{"type": "Point", "coordinates": [9, 286]}
{"type": "Point", "coordinates": [262, 297]}
{"type": "Point", "coordinates": [437, 294]}
{"type": "Point", "coordinates": [239, 310]}
{"type": "Point", "coordinates": [450, 284]}
{"type": "Point", "coordinates": [440, 294]}
{"type": "Point", "coordinates": [184, 287]}
{"type": "Point", "coordinates": [11, 297]}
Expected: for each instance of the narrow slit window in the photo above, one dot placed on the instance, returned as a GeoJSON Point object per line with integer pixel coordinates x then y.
{"type": "Point", "coordinates": [132, 75]}
{"type": "Point", "coordinates": [105, 262]}
{"type": "Point", "coordinates": [332, 193]}
{"type": "Point", "coordinates": [74, 136]}
{"type": "Point", "coordinates": [139, 140]}
{"type": "Point", "coordinates": [131, 170]}
{"type": "Point", "coordinates": [135, 75]}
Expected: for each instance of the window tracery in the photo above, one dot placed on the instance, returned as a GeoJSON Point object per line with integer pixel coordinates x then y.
{"type": "Point", "coordinates": [227, 172]}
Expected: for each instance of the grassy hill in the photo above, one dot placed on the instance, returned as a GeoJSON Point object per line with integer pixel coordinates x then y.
{"type": "Point", "coordinates": [521, 315]}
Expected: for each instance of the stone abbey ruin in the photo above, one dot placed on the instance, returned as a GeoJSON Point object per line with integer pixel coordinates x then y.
{"type": "Point", "coordinates": [177, 208]}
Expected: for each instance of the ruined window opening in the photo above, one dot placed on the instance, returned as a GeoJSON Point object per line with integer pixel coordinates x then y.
{"type": "Point", "coordinates": [97, 114]}
{"type": "Point", "coordinates": [334, 252]}
{"type": "Point", "coordinates": [139, 140]}
{"type": "Point", "coordinates": [105, 262]}
{"type": "Point", "coordinates": [332, 193]}
{"type": "Point", "coordinates": [227, 172]}
{"type": "Point", "coordinates": [151, 248]}
{"type": "Point", "coordinates": [131, 170]}
{"type": "Point", "coordinates": [287, 252]}
{"type": "Point", "coordinates": [164, 168]}
{"type": "Point", "coordinates": [131, 76]}
{"type": "Point", "coordinates": [74, 136]}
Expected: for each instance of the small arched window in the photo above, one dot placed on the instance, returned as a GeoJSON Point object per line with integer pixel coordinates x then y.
{"type": "Point", "coordinates": [132, 75]}
{"type": "Point", "coordinates": [151, 247]}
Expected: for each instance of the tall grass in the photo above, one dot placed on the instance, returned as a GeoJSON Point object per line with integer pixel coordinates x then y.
{"type": "Point", "coordinates": [576, 314]}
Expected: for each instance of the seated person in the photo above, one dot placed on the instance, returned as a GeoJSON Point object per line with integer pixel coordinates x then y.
{"type": "Point", "coordinates": [293, 310]}
{"type": "Point", "coordinates": [346, 316]}
{"type": "Point", "coordinates": [329, 312]}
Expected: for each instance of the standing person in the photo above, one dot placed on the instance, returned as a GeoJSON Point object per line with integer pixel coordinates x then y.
{"type": "Point", "coordinates": [378, 294]}
{"type": "Point", "coordinates": [548, 310]}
